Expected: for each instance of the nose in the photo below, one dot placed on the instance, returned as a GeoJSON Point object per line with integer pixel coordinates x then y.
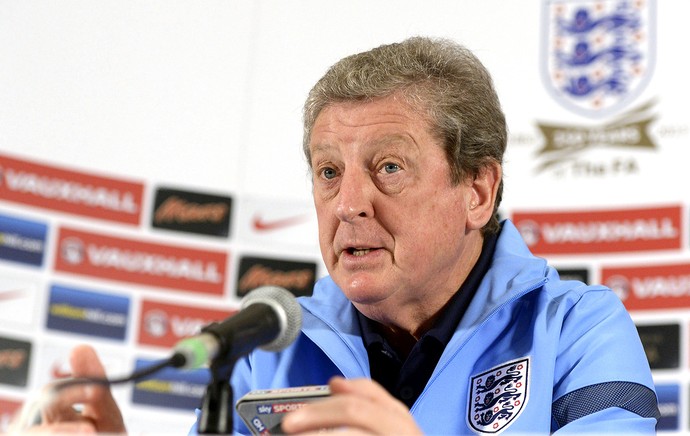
{"type": "Point", "coordinates": [355, 195]}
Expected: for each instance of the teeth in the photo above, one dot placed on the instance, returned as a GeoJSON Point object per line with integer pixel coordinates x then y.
{"type": "Point", "coordinates": [360, 251]}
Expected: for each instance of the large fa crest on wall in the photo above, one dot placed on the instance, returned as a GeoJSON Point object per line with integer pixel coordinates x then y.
{"type": "Point", "coordinates": [597, 55]}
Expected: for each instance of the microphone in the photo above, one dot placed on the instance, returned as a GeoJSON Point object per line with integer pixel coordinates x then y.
{"type": "Point", "coordinates": [269, 318]}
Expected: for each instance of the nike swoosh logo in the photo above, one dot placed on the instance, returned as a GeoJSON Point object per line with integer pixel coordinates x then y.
{"type": "Point", "coordinates": [57, 372]}
{"type": "Point", "coordinates": [262, 225]}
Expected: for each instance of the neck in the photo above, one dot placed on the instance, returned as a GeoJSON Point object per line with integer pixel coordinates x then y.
{"type": "Point", "coordinates": [403, 323]}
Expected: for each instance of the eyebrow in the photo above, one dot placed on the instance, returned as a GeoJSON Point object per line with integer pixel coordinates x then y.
{"type": "Point", "coordinates": [318, 147]}
{"type": "Point", "coordinates": [396, 139]}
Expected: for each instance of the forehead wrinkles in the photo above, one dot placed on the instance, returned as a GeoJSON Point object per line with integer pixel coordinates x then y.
{"type": "Point", "coordinates": [358, 112]}
{"type": "Point", "coordinates": [389, 143]}
{"type": "Point", "coordinates": [341, 122]}
{"type": "Point", "coordinates": [380, 129]}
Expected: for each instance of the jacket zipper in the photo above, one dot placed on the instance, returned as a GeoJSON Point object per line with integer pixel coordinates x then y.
{"type": "Point", "coordinates": [511, 300]}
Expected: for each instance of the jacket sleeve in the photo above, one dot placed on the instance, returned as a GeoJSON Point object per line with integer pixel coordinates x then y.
{"type": "Point", "coordinates": [240, 385]}
{"type": "Point", "coordinates": [602, 378]}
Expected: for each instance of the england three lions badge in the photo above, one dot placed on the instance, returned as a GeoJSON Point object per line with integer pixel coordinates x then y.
{"type": "Point", "coordinates": [598, 55]}
{"type": "Point", "coordinates": [497, 396]}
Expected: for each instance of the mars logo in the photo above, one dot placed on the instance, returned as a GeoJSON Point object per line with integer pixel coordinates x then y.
{"type": "Point", "coordinates": [192, 212]}
{"type": "Point", "coordinates": [297, 277]}
{"type": "Point", "coordinates": [498, 396]}
{"type": "Point", "coordinates": [579, 274]}
{"type": "Point", "coordinates": [598, 55]}
{"type": "Point", "coordinates": [661, 344]}
{"type": "Point", "coordinates": [15, 358]}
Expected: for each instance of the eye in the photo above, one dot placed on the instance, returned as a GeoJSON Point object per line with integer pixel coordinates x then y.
{"type": "Point", "coordinates": [391, 168]}
{"type": "Point", "coordinates": [328, 173]}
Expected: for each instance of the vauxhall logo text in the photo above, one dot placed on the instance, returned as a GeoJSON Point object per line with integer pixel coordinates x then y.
{"type": "Point", "coordinates": [154, 264]}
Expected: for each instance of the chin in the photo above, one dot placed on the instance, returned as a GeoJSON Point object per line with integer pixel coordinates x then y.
{"type": "Point", "coordinates": [363, 294]}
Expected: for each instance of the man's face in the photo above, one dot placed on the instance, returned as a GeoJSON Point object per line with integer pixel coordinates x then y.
{"type": "Point", "coordinates": [391, 224]}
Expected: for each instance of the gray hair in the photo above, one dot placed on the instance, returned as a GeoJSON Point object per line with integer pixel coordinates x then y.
{"type": "Point", "coordinates": [440, 78]}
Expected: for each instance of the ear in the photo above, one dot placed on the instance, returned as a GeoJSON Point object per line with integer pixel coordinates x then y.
{"type": "Point", "coordinates": [482, 195]}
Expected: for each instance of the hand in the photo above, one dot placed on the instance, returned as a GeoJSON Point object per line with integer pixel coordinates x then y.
{"type": "Point", "coordinates": [99, 412]}
{"type": "Point", "coordinates": [358, 406]}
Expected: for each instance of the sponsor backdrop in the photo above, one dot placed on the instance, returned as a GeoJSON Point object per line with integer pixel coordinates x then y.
{"type": "Point", "coordinates": [151, 170]}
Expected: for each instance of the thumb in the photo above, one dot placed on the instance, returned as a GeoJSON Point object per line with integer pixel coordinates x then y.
{"type": "Point", "coordinates": [100, 407]}
{"type": "Point", "coordinates": [85, 362]}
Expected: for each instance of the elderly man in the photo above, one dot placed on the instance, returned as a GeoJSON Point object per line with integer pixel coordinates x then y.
{"type": "Point", "coordinates": [435, 317]}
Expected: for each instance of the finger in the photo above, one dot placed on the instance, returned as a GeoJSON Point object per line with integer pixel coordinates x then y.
{"type": "Point", "coordinates": [85, 362]}
{"type": "Point", "coordinates": [340, 432]}
{"type": "Point", "coordinates": [351, 412]}
{"type": "Point", "coordinates": [102, 416]}
{"type": "Point", "coordinates": [357, 405]}
{"type": "Point", "coordinates": [99, 406]}
{"type": "Point", "coordinates": [365, 388]}
{"type": "Point", "coordinates": [59, 405]}
{"type": "Point", "coordinates": [329, 413]}
{"type": "Point", "coordinates": [66, 428]}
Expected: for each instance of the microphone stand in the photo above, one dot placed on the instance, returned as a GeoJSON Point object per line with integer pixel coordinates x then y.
{"type": "Point", "coordinates": [236, 337]}
{"type": "Point", "coordinates": [216, 409]}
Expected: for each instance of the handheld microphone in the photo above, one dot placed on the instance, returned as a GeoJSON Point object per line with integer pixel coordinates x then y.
{"type": "Point", "coordinates": [269, 318]}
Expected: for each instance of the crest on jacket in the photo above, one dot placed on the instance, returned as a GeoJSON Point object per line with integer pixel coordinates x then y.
{"type": "Point", "coordinates": [498, 395]}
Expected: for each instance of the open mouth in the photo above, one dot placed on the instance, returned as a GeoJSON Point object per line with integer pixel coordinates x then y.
{"type": "Point", "coordinates": [358, 251]}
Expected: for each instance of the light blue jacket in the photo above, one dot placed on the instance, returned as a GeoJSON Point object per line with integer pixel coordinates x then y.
{"type": "Point", "coordinates": [531, 354]}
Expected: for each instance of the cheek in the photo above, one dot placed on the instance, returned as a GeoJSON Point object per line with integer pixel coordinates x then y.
{"type": "Point", "coordinates": [440, 222]}
{"type": "Point", "coordinates": [327, 225]}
